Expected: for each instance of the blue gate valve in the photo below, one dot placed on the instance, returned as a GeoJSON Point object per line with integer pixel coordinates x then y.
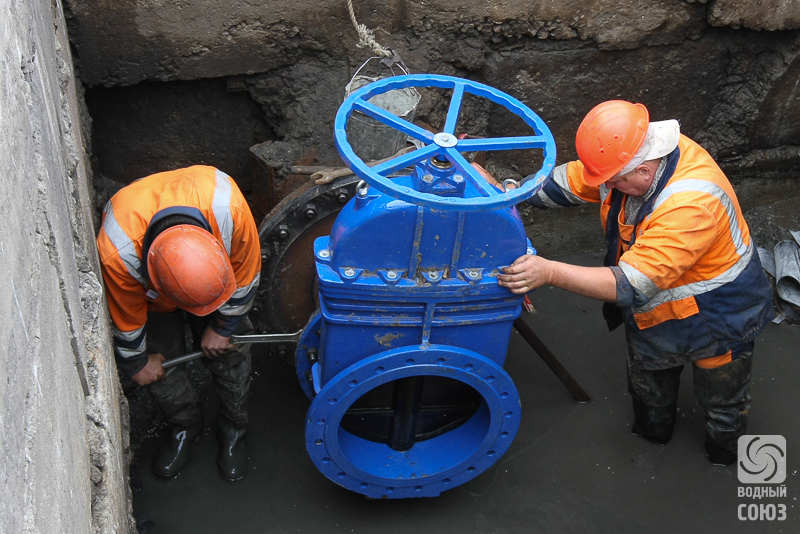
{"type": "Point", "coordinates": [403, 361]}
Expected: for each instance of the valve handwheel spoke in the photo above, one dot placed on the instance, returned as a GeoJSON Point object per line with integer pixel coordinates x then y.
{"type": "Point", "coordinates": [480, 196]}
{"type": "Point", "coordinates": [406, 160]}
{"type": "Point", "coordinates": [455, 108]}
{"type": "Point", "coordinates": [502, 143]}
{"type": "Point", "coordinates": [390, 119]}
{"type": "Point", "coordinates": [473, 177]}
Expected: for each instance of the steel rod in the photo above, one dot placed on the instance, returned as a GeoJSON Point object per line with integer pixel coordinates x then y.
{"type": "Point", "coordinates": [405, 403]}
{"type": "Point", "coordinates": [552, 362]}
{"type": "Point", "coordinates": [237, 340]}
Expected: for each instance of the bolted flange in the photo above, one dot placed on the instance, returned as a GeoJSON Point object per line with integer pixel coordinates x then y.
{"type": "Point", "coordinates": [428, 467]}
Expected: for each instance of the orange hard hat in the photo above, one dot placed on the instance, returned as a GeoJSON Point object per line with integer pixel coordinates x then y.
{"type": "Point", "coordinates": [609, 137]}
{"type": "Point", "coordinates": [188, 265]}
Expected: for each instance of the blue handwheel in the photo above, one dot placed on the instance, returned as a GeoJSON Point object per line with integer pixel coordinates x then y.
{"type": "Point", "coordinates": [478, 195]}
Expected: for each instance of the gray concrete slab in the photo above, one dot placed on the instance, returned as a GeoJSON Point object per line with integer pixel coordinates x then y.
{"type": "Point", "coordinates": [572, 467]}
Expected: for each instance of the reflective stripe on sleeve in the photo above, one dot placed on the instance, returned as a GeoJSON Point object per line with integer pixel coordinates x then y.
{"type": "Point", "coordinates": [129, 344]}
{"type": "Point", "coordinates": [548, 203]}
{"type": "Point", "coordinates": [698, 288]}
{"type": "Point", "coordinates": [244, 291]}
{"type": "Point", "coordinates": [123, 244]}
{"type": "Point", "coordinates": [638, 280]}
{"type": "Point", "coordinates": [710, 188]}
{"type": "Point", "coordinates": [221, 205]}
{"type": "Point", "coordinates": [562, 180]}
{"type": "Point", "coordinates": [242, 299]}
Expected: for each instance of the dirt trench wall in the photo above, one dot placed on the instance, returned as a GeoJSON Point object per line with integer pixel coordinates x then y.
{"type": "Point", "coordinates": [727, 70]}
{"type": "Point", "coordinates": [62, 465]}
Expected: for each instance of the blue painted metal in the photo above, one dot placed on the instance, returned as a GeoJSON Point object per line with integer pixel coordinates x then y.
{"type": "Point", "coordinates": [408, 288]}
{"type": "Point", "coordinates": [431, 466]}
{"type": "Point", "coordinates": [478, 195]}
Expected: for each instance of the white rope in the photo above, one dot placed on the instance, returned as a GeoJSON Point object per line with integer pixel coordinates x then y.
{"type": "Point", "coordinates": [366, 38]}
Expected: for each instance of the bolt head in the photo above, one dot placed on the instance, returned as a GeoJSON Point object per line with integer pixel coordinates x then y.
{"type": "Point", "coordinates": [349, 271]}
{"type": "Point", "coordinates": [310, 211]}
{"type": "Point", "coordinates": [391, 275]}
{"type": "Point", "coordinates": [458, 178]}
{"type": "Point", "coordinates": [445, 140]}
{"type": "Point", "coordinates": [427, 178]}
{"type": "Point", "coordinates": [324, 253]}
{"type": "Point", "coordinates": [434, 275]}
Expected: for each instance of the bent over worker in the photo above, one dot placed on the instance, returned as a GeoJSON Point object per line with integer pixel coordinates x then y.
{"type": "Point", "coordinates": [183, 240]}
{"type": "Point", "coordinates": [681, 272]}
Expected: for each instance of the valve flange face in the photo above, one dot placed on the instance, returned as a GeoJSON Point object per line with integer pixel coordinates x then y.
{"type": "Point", "coordinates": [431, 466]}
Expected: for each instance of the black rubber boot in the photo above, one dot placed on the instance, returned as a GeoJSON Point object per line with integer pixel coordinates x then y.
{"type": "Point", "coordinates": [718, 454]}
{"type": "Point", "coordinates": [174, 452]}
{"type": "Point", "coordinates": [655, 424]}
{"type": "Point", "coordinates": [724, 393]}
{"type": "Point", "coordinates": [232, 455]}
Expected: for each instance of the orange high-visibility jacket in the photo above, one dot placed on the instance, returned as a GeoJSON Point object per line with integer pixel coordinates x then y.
{"type": "Point", "coordinates": [204, 193]}
{"type": "Point", "coordinates": [692, 283]}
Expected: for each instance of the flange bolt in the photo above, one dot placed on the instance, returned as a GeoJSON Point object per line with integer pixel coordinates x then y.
{"type": "Point", "coordinates": [283, 231]}
{"type": "Point", "coordinates": [310, 211]}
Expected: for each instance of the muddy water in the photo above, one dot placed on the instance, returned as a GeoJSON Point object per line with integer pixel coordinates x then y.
{"type": "Point", "coordinates": [572, 467]}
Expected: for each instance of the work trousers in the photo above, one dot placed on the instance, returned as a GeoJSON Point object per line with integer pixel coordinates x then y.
{"type": "Point", "coordinates": [724, 394]}
{"type": "Point", "coordinates": [230, 373]}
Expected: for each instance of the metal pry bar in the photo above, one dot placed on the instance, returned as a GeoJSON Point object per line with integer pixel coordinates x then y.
{"type": "Point", "coordinates": [238, 340]}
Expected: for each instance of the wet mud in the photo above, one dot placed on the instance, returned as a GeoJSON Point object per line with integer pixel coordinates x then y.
{"type": "Point", "coordinates": [572, 467]}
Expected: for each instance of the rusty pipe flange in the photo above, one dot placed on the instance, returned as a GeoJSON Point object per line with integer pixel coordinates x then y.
{"type": "Point", "coordinates": [286, 296]}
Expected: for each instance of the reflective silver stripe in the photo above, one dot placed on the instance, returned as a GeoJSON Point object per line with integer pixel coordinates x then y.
{"type": "Point", "coordinates": [221, 205]}
{"type": "Point", "coordinates": [126, 336]}
{"type": "Point", "coordinates": [710, 188]}
{"type": "Point", "coordinates": [638, 280]}
{"type": "Point", "coordinates": [242, 291]}
{"type": "Point", "coordinates": [562, 181]}
{"type": "Point", "coordinates": [604, 192]}
{"type": "Point", "coordinates": [126, 352]}
{"type": "Point", "coordinates": [225, 309]}
{"type": "Point", "coordinates": [130, 353]}
{"type": "Point", "coordinates": [541, 195]}
{"type": "Point", "coordinates": [124, 245]}
{"type": "Point", "coordinates": [698, 288]}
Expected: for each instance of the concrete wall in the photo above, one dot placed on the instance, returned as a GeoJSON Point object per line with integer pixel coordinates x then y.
{"type": "Point", "coordinates": [62, 466]}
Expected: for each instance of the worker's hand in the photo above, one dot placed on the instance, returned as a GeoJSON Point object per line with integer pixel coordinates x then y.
{"type": "Point", "coordinates": [488, 177]}
{"type": "Point", "coordinates": [152, 371]}
{"type": "Point", "coordinates": [526, 274]}
{"type": "Point", "coordinates": [214, 345]}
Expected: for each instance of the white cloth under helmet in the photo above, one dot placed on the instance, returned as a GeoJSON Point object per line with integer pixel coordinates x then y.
{"type": "Point", "coordinates": [661, 139]}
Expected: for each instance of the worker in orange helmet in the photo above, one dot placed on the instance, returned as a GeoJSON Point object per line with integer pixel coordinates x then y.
{"type": "Point", "coordinates": [681, 272]}
{"type": "Point", "coordinates": [182, 246]}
